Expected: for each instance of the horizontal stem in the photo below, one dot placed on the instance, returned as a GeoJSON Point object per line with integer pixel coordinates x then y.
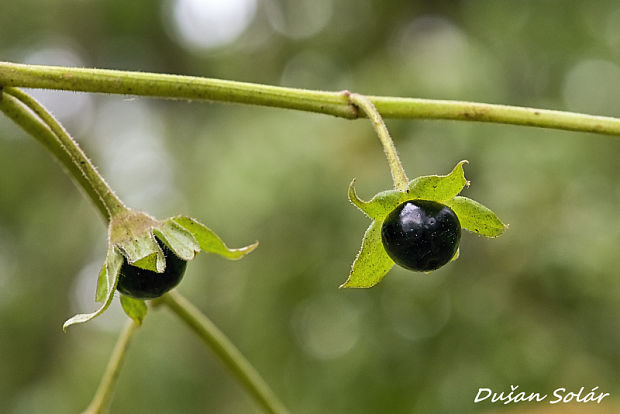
{"type": "Point", "coordinates": [225, 350]}
{"type": "Point", "coordinates": [503, 114]}
{"type": "Point", "coordinates": [171, 86]}
{"type": "Point", "coordinates": [331, 103]}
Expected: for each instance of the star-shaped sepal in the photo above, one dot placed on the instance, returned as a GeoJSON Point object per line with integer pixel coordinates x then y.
{"type": "Point", "coordinates": [373, 262]}
{"type": "Point", "coordinates": [134, 238]}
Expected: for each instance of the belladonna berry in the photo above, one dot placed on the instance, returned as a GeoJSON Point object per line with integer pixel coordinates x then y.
{"type": "Point", "coordinates": [146, 284]}
{"type": "Point", "coordinates": [421, 235]}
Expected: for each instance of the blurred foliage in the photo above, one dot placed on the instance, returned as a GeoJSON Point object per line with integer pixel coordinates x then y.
{"type": "Point", "coordinates": [537, 307]}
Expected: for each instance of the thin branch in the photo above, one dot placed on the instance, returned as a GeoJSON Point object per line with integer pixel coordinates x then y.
{"type": "Point", "coordinates": [171, 86]}
{"type": "Point", "coordinates": [102, 399]}
{"type": "Point", "coordinates": [331, 103]}
{"type": "Point", "coordinates": [398, 172]}
{"type": "Point", "coordinates": [95, 181]}
{"type": "Point", "coordinates": [225, 351]}
{"type": "Point", "coordinates": [32, 124]}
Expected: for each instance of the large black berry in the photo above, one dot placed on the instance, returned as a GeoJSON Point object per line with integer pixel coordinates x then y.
{"type": "Point", "coordinates": [421, 235]}
{"type": "Point", "coordinates": [146, 284]}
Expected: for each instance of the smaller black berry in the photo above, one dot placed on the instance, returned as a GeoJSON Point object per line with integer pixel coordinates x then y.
{"type": "Point", "coordinates": [421, 235]}
{"type": "Point", "coordinates": [146, 284]}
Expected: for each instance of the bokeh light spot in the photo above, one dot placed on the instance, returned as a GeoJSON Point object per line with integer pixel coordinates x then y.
{"type": "Point", "coordinates": [299, 19]}
{"type": "Point", "coordinates": [327, 327]}
{"type": "Point", "coordinates": [206, 24]}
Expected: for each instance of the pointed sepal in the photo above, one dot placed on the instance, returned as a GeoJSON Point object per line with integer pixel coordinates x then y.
{"type": "Point", "coordinates": [439, 187]}
{"type": "Point", "coordinates": [178, 239]}
{"type": "Point", "coordinates": [211, 242]}
{"type": "Point", "coordinates": [106, 286]}
{"type": "Point", "coordinates": [475, 217]}
{"type": "Point", "coordinates": [429, 187]}
{"type": "Point", "coordinates": [371, 263]}
{"type": "Point", "coordinates": [132, 233]}
{"type": "Point", "coordinates": [380, 205]}
{"type": "Point", "coordinates": [134, 308]}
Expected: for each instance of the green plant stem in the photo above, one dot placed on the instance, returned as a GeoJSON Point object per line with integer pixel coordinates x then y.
{"type": "Point", "coordinates": [398, 172]}
{"type": "Point", "coordinates": [94, 181]}
{"type": "Point", "coordinates": [225, 350]}
{"type": "Point", "coordinates": [103, 396]}
{"type": "Point", "coordinates": [27, 120]}
{"type": "Point", "coordinates": [332, 103]}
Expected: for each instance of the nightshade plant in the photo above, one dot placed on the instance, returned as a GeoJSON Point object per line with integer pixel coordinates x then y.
{"type": "Point", "coordinates": [142, 247]}
{"type": "Point", "coordinates": [373, 261]}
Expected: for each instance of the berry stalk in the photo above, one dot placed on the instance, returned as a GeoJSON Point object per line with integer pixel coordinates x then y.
{"type": "Point", "coordinates": [113, 205]}
{"type": "Point", "coordinates": [398, 172]}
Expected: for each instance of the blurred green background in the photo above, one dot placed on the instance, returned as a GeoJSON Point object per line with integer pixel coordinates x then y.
{"type": "Point", "coordinates": [539, 307]}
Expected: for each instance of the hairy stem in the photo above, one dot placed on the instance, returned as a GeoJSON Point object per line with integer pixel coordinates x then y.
{"type": "Point", "coordinates": [171, 86]}
{"type": "Point", "coordinates": [15, 110]}
{"type": "Point", "coordinates": [398, 172]}
{"type": "Point", "coordinates": [331, 103]}
{"type": "Point", "coordinates": [94, 180]}
{"type": "Point", "coordinates": [225, 350]}
{"type": "Point", "coordinates": [103, 397]}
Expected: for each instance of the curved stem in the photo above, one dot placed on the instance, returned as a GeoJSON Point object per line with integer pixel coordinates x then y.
{"type": "Point", "coordinates": [331, 103]}
{"type": "Point", "coordinates": [225, 350]}
{"type": "Point", "coordinates": [103, 396]}
{"type": "Point", "coordinates": [398, 172]}
{"type": "Point", "coordinates": [95, 181]}
{"type": "Point", "coordinates": [27, 120]}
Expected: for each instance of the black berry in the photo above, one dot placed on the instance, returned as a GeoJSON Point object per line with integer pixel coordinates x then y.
{"type": "Point", "coordinates": [421, 235]}
{"type": "Point", "coordinates": [146, 284]}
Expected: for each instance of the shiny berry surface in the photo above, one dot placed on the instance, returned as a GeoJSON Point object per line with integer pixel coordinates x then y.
{"type": "Point", "coordinates": [146, 284]}
{"type": "Point", "coordinates": [421, 235]}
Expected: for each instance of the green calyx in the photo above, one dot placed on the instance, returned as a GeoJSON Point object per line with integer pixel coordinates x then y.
{"type": "Point", "coordinates": [372, 262]}
{"type": "Point", "coordinates": [132, 238]}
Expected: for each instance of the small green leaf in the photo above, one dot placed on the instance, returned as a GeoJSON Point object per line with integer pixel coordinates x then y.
{"type": "Point", "coordinates": [134, 308]}
{"type": "Point", "coordinates": [112, 268]}
{"type": "Point", "coordinates": [365, 206]}
{"type": "Point", "coordinates": [380, 205]}
{"type": "Point", "coordinates": [438, 187]}
{"type": "Point", "coordinates": [144, 252]}
{"type": "Point", "coordinates": [178, 239]}
{"type": "Point", "coordinates": [429, 187]}
{"type": "Point", "coordinates": [132, 233]}
{"type": "Point", "coordinates": [372, 262]}
{"type": "Point", "coordinates": [209, 241]}
{"type": "Point", "coordinates": [102, 284]}
{"type": "Point", "coordinates": [475, 217]}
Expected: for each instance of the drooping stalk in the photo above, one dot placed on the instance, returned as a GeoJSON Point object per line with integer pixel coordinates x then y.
{"type": "Point", "coordinates": [331, 103]}
{"type": "Point", "coordinates": [80, 161]}
{"type": "Point", "coordinates": [225, 351]}
{"type": "Point", "coordinates": [35, 120]}
{"type": "Point", "coordinates": [27, 120]}
{"type": "Point", "coordinates": [398, 172]}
